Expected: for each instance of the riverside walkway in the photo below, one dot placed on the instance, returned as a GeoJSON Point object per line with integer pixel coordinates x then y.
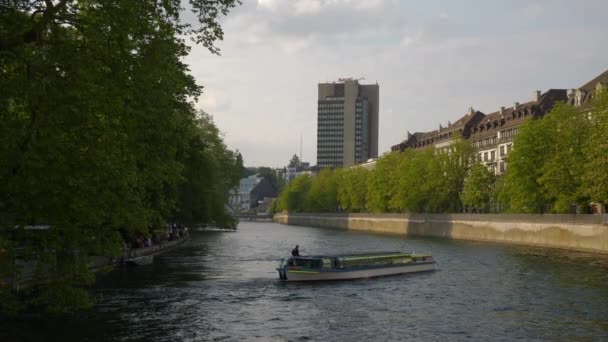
{"type": "Point", "coordinates": [26, 276]}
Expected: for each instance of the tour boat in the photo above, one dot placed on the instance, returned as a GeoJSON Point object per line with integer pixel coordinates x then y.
{"type": "Point", "coordinates": [353, 266]}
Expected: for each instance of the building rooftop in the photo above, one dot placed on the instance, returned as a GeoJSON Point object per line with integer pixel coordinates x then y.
{"type": "Point", "coordinates": [247, 184]}
{"type": "Point", "coordinates": [591, 85]}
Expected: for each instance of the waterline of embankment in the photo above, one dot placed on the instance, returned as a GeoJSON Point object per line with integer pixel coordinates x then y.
{"type": "Point", "coordinates": [574, 232]}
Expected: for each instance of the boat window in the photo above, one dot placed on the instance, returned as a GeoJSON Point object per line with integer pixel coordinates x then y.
{"type": "Point", "coordinates": [375, 260]}
{"type": "Point", "coordinates": [307, 263]}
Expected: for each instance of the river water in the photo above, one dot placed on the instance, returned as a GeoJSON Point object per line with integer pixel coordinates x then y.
{"type": "Point", "coordinates": [222, 286]}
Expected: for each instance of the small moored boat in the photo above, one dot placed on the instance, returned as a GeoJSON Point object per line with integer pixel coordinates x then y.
{"type": "Point", "coordinates": [353, 266]}
{"type": "Point", "coordinates": [140, 261]}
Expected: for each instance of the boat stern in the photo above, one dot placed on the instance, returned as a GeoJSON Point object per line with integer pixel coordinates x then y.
{"type": "Point", "coordinates": [282, 269]}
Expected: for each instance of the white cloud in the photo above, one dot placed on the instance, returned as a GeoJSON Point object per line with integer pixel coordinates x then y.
{"type": "Point", "coordinates": [533, 9]}
{"type": "Point", "coordinates": [271, 5]}
{"type": "Point", "coordinates": [213, 102]}
{"type": "Point", "coordinates": [308, 6]}
{"type": "Point", "coordinates": [294, 45]}
{"type": "Point", "coordinates": [411, 38]}
{"type": "Point", "coordinates": [363, 5]}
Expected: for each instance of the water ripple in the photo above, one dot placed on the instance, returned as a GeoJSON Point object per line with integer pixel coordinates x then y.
{"type": "Point", "coordinates": [223, 287]}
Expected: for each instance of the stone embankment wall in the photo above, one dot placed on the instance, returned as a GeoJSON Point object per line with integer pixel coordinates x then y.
{"type": "Point", "coordinates": [576, 232]}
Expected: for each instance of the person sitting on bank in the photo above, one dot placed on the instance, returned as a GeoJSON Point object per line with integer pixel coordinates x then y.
{"type": "Point", "coordinates": [295, 251]}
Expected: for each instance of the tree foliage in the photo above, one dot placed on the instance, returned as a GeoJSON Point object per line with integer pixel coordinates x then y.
{"type": "Point", "coordinates": [352, 189]}
{"type": "Point", "coordinates": [546, 167]}
{"type": "Point", "coordinates": [99, 138]}
{"type": "Point", "coordinates": [412, 181]}
{"type": "Point", "coordinates": [323, 193]}
{"type": "Point", "coordinates": [294, 161]}
{"type": "Point", "coordinates": [561, 174]}
{"type": "Point", "coordinates": [382, 183]}
{"type": "Point", "coordinates": [478, 186]}
{"type": "Point", "coordinates": [271, 176]}
{"type": "Point", "coordinates": [522, 191]}
{"type": "Point", "coordinates": [594, 180]}
{"type": "Point", "coordinates": [295, 195]}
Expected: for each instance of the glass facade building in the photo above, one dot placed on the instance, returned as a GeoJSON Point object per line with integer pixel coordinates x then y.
{"type": "Point", "coordinates": [347, 123]}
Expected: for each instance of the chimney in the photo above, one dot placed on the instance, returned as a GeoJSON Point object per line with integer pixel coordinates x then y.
{"type": "Point", "coordinates": [571, 92]}
{"type": "Point", "coordinates": [440, 127]}
{"type": "Point", "coordinates": [516, 105]}
{"type": "Point", "coordinates": [449, 123]}
{"type": "Point", "coordinates": [471, 111]}
{"type": "Point", "coordinates": [536, 96]}
{"type": "Point", "coordinates": [502, 110]}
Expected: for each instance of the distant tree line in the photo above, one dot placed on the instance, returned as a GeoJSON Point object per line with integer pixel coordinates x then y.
{"type": "Point", "coordinates": [267, 173]}
{"type": "Point", "coordinates": [558, 163]}
{"type": "Point", "coordinates": [99, 137]}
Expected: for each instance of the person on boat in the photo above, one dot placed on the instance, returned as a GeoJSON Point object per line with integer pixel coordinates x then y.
{"type": "Point", "coordinates": [295, 251]}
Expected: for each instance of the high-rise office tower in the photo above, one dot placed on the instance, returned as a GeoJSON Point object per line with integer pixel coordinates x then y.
{"type": "Point", "coordinates": [347, 123]}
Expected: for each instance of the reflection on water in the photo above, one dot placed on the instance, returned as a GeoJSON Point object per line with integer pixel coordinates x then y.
{"type": "Point", "coordinates": [223, 286]}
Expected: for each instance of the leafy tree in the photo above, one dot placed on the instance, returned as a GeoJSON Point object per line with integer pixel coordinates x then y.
{"type": "Point", "coordinates": [561, 174]}
{"type": "Point", "coordinates": [249, 171]}
{"type": "Point", "coordinates": [295, 161]}
{"type": "Point", "coordinates": [323, 194]}
{"type": "Point", "coordinates": [594, 180]}
{"type": "Point", "coordinates": [478, 186]}
{"type": "Point", "coordinates": [294, 197]}
{"type": "Point", "coordinates": [270, 175]}
{"type": "Point", "coordinates": [546, 167]}
{"type": "Point", "coordinates": [353, 189]}
{"type": "Point", "coordinates": [382, 183]}
{"type": "Point", "coordinates": [429, 180]}
{"type": "Point", "coordinates": [210, 171]}
{"type": "Point", "coordinates": [418, 174]}
{"type": "Point", "coordinates": [240, 166]}
{"type": "Point", "coordinates": [522, 190]}
{"type": "Point", "coordinates": [454, 167]}
{"type": "Point", "coordinates": [98, 133]}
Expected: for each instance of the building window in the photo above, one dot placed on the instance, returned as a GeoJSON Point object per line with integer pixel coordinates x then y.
{"type": "Point", "coordinates": [502, 151]}
{"type": "Point", "coordinates": [485, 156]}
{"type": "Point", "coordinates": [493, 155]}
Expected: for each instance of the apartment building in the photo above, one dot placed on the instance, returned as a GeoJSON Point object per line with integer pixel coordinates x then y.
{"type": "Point", "coordinates": [492, 134]}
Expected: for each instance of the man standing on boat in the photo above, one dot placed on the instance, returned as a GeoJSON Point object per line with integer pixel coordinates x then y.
{"type": "Point", "coordinates": [295, 251]}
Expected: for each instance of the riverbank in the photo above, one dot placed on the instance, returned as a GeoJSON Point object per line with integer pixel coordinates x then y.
{"type": "Point", "coordinates": [27, 275]}
{"type": "Point", "coordinates": [576, 232]}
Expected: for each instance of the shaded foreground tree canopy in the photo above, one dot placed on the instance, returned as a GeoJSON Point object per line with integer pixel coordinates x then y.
{"type": "Point", "coordinates": [558, 164]}
{"type": "Point", "coordinates": [99, 138]}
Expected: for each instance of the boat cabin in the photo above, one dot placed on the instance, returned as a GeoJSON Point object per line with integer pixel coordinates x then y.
{"type": "Point", "coordinates": [339, 262]}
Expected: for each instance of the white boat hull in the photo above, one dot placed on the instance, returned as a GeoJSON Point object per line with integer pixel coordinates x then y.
{"type": "Point", "coordinates": [309, 275]}
{"type": "Point", "coordinates": [140, 261]}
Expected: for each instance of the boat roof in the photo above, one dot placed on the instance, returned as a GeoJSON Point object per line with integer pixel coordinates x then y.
{"type": "Point", "coordinates": [357, 255]}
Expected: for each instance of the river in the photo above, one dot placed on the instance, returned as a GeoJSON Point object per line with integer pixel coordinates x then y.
{"type": "Point", "coordinates": [222, 286]}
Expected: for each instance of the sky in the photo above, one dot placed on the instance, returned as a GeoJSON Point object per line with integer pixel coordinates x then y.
{"type": "Point", "coordinates": [432, 59]}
